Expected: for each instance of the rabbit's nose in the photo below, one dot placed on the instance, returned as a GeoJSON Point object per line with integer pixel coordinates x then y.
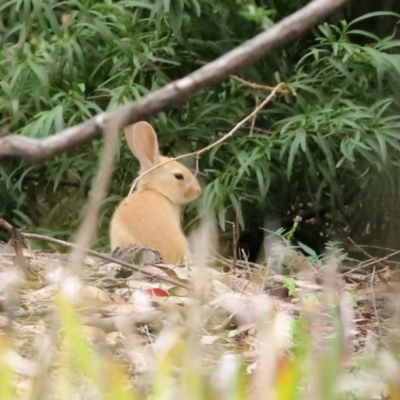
{"type": "Point", "coordinates": [193, 192]}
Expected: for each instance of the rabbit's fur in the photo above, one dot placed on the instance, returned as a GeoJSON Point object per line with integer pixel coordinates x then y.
{"type": "Point", "coordinates": [151, 215]}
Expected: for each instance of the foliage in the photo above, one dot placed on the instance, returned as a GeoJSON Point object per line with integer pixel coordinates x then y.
{"type": "Point", "coordinates": [325, 145]}
{"type": "Point", "coordinates": [64, 62]}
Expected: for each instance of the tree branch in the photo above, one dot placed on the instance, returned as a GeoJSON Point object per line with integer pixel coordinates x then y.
{"type": "Point", "coordinates": [35, 150]}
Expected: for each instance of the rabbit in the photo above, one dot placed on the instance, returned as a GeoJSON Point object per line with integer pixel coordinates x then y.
{"type": "Point", "coordinates": [151, 215]}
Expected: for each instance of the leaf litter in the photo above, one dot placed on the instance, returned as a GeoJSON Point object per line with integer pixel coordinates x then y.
{"type": "Point", "coordinates": [131, 313]}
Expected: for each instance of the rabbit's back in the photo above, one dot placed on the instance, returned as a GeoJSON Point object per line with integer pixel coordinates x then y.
{"type": "Point", "coordinates": [150, 219]}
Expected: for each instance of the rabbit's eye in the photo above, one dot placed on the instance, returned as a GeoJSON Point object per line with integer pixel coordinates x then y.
{"type": "Point", "coordinates": [178, 176]}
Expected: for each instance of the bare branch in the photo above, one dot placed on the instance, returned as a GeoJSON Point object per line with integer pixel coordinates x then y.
{"type": "Point", "coordinates": [34, 150]}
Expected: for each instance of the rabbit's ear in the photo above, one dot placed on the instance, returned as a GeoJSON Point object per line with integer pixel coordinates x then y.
{"type": "Point", "coordinates": [142, 141]}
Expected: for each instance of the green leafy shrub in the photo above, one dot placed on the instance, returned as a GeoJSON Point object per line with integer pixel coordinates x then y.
{"type": "Point", "coordinates": [325, 145]}
{"type": "Point", "coordinates": [64, 62]}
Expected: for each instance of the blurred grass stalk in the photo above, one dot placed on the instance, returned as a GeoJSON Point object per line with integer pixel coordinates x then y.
{"type": "Point", "coordinates": [292, 358]}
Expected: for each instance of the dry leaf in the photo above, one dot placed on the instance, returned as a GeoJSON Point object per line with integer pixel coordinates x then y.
{"type": "Point", "coordinates": [135, 284]}
{"type": "Point", "coordinates": [93, 334]}
{"type": "Point", "coordinates": [94, 293]}
{"type": "Point", "coordinates": [45, 293]}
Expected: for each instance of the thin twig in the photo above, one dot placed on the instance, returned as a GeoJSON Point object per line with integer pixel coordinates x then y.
{"type": "Point", "coordinates": [236, 234]}
{"type": "Point", "coordinates": [253, 121]}
{"type": "Point", "coordinates": [371, 258]}
{"type": "Point", "coordinates": [378, 247]}
{"type": "Point", "coordinates": [257, 86]}
{"type": "Point", "coordinates": [370, 263]}
{"type": "Point", "coordinates": [365, 252]}
{"type": "Point", "coordinates": [381, 248]}
{"type": "Point", "coordinates": [6, 226]}
{"type": "Point", "coordinates": [17, 242]}
{"type": "Point", "coordinates": [288, 29]}
{"type": "Point", "coordinates": [374, 304]}
{"type": "Point", "coordinates": [274, 277]}
{"type": "Point", "coordinates": [35, 236]}
{"type": "Point", "coordinates": [228, 135]}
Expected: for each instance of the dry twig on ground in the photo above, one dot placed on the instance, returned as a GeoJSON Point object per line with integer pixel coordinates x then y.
{"type": "Point", "coordinates": [33, 236]}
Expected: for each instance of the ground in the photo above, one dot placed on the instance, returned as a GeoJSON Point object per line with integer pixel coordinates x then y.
{"type": "Point", "coordinates": [225, 305]}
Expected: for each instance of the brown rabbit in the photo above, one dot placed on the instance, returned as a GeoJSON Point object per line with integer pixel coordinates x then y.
{"type": "Point", "coordinates": [151, 215]}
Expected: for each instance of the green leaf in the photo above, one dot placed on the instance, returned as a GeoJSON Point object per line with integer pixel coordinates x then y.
{"type": "Point", "coordinates": [197, 7]}
{"type": "Point", "coordinates": [40, 72]}
{"type": "Point", "coordinates": [176, 15]}
{"type": "Point", "coordinates": [322, 143]}
{"type": "Point", "coordinates": [308, 250]}
{"type": "Point", "coordinates": [298, 140]}
{"type": "Point", "coordinates": [364, 33]}
{"type": "Point", "coordinates": [374, 14]}
{"type": "Point", "coordinates": [166, 5]}
{"type": "Point", "coordinates": [263, 182]}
